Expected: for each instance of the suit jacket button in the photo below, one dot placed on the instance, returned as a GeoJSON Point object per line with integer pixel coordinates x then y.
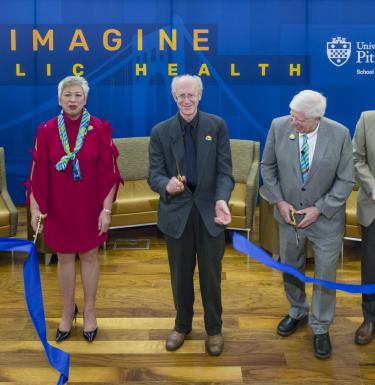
{"type": "Point", "coordinates": [303, 189]}
{"type": "Point", "coordinates": [300, 203]}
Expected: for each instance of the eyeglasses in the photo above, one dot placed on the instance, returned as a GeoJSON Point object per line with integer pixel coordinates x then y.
{"type": "Point", "coordinates": [186, 96]}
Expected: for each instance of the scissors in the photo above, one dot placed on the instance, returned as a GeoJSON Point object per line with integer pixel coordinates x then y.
{"type": "Point", "coordinates": [37, 228]}
{"type": "Point", "coordinates": [178, 176]}
{"type": "Point", "coordinates": [294, 223]}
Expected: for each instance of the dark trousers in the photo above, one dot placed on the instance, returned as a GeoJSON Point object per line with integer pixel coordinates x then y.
{"type": "Point", "coordinates": [196, 243]}
{"type": "Point", "coordinates": [368, 270]}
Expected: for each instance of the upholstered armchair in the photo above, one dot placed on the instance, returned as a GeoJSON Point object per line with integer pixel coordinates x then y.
{"type": "Point", "coordinates": [136, 203]}
{"type": "Point", "coordinates": [245, 157]}
{"type": "Point", "coordinates": [8, 212]}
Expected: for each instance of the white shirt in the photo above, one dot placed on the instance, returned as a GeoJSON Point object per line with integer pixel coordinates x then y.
{"type": "Point", "coordinates": [311, 141]}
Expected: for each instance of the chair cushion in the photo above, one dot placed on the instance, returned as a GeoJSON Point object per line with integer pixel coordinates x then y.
{"type": "Point", "coordinates": [237, 202]}
{"type": "Point", "coordinates": [134, 219]}
{"type": "Point", "coordinates": [353, 232]}
{"type": "Point", "coordinates": [4, 214]}
{"type": "Point", "coordinates": [135, 196]}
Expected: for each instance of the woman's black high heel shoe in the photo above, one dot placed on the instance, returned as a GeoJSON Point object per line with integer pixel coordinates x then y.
{"type": "Point", "coordinates": [90, 336]}
{"type": "Point", "coordinates": [62, 335]}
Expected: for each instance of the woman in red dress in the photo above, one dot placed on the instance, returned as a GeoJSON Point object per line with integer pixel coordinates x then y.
{"type": "Point", "coordinates": [73, 182]}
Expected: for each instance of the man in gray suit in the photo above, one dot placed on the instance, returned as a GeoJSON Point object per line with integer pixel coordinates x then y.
{"type": "Point", "coordinates": [191, 169]}
{"type": "Point", "coordinates": [307, 170]}
{"type": "Point", "coordinates": [364, 167]}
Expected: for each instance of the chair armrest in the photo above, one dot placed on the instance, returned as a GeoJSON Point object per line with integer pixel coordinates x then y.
{"type": "Point", "coordinates": [252, 187]}
{"type": "Point", "coordinates": [13, 212]}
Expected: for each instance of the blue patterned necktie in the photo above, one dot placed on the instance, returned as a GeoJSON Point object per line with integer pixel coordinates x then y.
{"type": "Point", "coordinates": [190, 158]}
{"type": "Point", "coordinates": [304, 158]}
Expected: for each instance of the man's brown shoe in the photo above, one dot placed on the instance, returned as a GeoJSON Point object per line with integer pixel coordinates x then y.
{"type": "Point", "coordinates": [215, 344]}
{"type": "Point", "coordinates": [365, 333]}
{"type": "Point", "coordinates": [174, 341]}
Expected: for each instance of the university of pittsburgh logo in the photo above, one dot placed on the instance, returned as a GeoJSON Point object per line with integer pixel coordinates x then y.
{"type": "Point", "coordinates": [338, 51]}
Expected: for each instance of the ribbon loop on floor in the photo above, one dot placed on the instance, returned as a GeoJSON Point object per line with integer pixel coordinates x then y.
{"type": "Point", "coordinates": [57, 358]}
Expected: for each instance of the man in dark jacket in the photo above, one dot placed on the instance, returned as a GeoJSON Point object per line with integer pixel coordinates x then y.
{"type": "Point", "coordinates": [191, 169]}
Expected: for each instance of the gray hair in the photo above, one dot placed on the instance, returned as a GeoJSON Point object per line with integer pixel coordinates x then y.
{"type": "Point", "coordinates": [197, 81]}
{"type": "Point", "coordinates": [73, 81]}
{"type": "Point", "coordinates": [312, 103]}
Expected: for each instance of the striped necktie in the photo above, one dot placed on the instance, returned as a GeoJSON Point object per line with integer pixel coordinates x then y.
{"type": "Point", "coordinates": [304, 158]}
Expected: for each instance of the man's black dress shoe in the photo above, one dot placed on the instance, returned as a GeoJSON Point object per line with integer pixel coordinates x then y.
{"type": "Point", "coordinates": [289, 325]}
{"type": "Point", "coordinates": [322, 345]}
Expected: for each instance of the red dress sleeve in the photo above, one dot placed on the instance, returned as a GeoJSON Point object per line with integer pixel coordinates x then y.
{"type": "Point", "coordinates": [37, 184]}
{"type": "Point", "coordinates": [108, 171]}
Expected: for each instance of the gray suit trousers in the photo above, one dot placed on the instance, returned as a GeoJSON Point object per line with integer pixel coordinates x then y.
{"type": "Point", "coordinates": [326, 253]}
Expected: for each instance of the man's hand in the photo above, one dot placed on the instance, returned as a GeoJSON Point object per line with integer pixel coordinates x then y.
{"type": "Point", "coordinates": [222, 212]}
{"type": "Point", "coordinates": [176, 186]}
{"type": "Point", "coordinates": [285, 209]}
{"type": "Point", "coordinates": [373, 197]}
{"type": "Point", "coordinates": [311, 214]}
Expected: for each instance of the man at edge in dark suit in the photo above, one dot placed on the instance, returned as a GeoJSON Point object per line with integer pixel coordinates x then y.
{"type": "Point", "coordinates": [191, 169]}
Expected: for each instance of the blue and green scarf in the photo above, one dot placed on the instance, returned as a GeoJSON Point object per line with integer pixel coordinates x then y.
{"type": "Point", "coordinates": [71, 155]}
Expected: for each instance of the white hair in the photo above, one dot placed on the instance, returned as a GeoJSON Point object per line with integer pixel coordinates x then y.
{"type": "Point", "coordinates": [313, 104]}
{"type": "Point", "coordinates": [73, 81]}
{"type": "Point", "coordinates": [197, 80]}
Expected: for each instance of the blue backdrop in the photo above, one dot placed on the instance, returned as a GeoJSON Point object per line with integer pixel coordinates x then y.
{"type": "Point", "coordinates": [258, 54]}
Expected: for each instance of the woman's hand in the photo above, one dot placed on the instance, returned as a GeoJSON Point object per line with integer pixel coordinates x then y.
{"type": "Point", "coordinates": [35, 214]}
{"type": "Point", "coordinates": [104, 221]}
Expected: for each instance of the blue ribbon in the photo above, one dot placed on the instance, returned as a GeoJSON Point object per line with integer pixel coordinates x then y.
{"type": "Point", "coordinates": [241, 244]}
{"type": "Point", "coordinates": [57, 358]}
